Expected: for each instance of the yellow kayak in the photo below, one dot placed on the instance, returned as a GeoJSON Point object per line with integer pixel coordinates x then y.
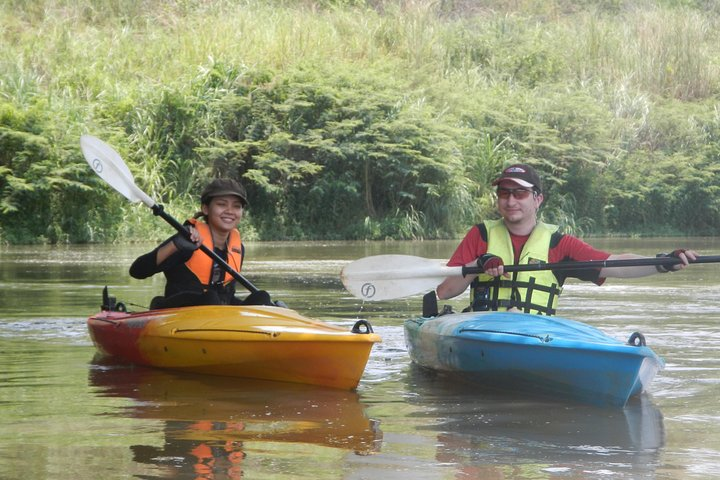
{"type": "Point", "coordinates": [262, 342]}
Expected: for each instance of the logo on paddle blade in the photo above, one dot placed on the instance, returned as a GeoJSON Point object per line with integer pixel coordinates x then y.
{"type": "Point", "coordinates": [368, 290]}
{"type": "Point", "coordinates": [97, 165]}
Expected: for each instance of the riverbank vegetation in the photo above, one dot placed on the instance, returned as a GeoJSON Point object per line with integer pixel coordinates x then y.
{"type": "Point", "coordinates": [360, 119]}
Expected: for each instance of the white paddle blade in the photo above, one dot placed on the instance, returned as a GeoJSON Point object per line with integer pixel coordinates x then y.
{"type": "Point", "coordinates": [109, 166]}
{"type": "Point", "coordinates": [387, 277]}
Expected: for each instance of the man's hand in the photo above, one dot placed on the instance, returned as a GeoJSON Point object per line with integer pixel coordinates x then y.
{"type": "Point", "coordinates": [686, 257]}
{"type": "Point", "coordinates": [491, 264]}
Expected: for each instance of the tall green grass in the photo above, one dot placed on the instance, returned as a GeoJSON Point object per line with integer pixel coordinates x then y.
{"type": "Point", "coordinates": [186, 89]}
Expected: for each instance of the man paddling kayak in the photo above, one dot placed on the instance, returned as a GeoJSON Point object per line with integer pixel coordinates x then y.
{"type": "Point", "coordinates": [192, 276]}
{"type": "Point", "coordinates": [519, 238]}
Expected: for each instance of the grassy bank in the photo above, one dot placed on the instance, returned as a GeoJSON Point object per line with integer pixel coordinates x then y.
{"type": "Point", "coordinates": [354, 119]}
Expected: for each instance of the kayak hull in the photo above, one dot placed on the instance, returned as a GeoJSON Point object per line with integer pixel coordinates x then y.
{"type": "Point", "coordinates": [536, 355]}
{"type": "Point", "coordinates": [269, 343]}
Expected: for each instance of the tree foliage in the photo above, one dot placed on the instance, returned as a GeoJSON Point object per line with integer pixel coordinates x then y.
{"type": "Point", "coordinates": [329, 155]}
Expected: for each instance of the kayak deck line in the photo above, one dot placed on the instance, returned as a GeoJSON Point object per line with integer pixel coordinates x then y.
{"type": "Point", "coordinates": [542, 338]}
{"type": "Point", "coordinates": [108, 320]}
{"type": "Point", "coordinates": [229, 330]}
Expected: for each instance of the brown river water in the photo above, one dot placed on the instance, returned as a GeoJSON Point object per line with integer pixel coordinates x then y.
{"type": "Point", "coordinates": [67, 414]}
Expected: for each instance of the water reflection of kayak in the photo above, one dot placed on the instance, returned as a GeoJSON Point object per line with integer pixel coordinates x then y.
{"type": "Point", "coordinates": [217, 410]}
{"type": "Point", "coordinates": [476, 429]}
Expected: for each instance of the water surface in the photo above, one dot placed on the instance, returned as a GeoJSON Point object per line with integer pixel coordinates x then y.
{"type": "Point", "coordinates": [69, 414]}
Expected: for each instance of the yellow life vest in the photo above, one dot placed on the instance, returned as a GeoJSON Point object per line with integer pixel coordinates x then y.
{"type": "Point", "coordinates": [201, 265]}
{"type": "Point", "coordinates": [530, 292]}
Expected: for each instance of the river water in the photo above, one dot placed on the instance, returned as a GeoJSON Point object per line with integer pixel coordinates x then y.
{"type": "Point", "coordinates": [67, 414]}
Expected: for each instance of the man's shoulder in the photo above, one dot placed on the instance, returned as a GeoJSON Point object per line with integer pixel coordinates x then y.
{"type": "Point", "coordinates": [573, 247]}
{"type": "Point", "coordinates": [567, 240]}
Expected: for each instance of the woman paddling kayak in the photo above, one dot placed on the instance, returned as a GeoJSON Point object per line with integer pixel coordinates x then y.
{"type": "Point", "coordinates": [193, 278]}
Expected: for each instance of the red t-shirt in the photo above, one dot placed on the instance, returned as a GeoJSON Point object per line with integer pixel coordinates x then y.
{"type": "Point", "coordinates": [568, 249]}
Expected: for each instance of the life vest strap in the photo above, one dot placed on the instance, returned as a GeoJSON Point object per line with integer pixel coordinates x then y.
{"type": "Point", "coordinates": [483, 302]}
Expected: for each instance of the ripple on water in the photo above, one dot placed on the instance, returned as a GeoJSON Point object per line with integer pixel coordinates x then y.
{"type": "Point", "coordinates": [73, 329]}
{"type": "Point", "coordinates": [389, 358]}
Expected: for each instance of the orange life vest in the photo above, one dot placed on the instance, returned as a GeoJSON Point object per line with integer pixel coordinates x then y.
{"type": "Point", "coordinates": [201, 264]}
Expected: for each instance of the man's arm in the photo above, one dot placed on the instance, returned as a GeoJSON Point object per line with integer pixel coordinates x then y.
{"type": "Point", "coordinates": [454, 286]}
{"type": "Point", "coordinates": [686, 256]}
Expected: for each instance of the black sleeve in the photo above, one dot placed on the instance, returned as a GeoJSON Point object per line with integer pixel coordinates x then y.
{"type": "Point", "coordinates": [145, 265]}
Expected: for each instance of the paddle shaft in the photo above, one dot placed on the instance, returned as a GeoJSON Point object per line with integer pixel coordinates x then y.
{"type": "Point", "coordinates": [632, 262]}
{"type": "Point", "coordinates": [160, 211]}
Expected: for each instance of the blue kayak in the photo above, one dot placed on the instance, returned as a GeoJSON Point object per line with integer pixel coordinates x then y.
{"type": "Point", "coordinates": [537, 355]}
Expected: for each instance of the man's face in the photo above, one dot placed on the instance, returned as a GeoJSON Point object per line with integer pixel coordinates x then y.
{"type": "Point", "coordinates": [517, 204]}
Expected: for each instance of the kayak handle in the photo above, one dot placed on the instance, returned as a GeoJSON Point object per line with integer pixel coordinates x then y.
{"type": "Point", "coordinates": [359, 325]}
{"type": "Point", "coordinates": [637, 339]}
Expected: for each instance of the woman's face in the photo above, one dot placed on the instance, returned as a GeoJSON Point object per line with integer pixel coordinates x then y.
{"type": "Point", "coordinates": [223, 213]}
